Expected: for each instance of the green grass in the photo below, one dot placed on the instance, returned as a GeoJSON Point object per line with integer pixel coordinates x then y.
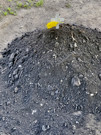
{"type": "Point", "coordinates": [10, 7]}
{"type": "Point", "coordinates": [10, 11]}
{"type": "Point", "coordinates": [39, 3]}
{"type": "Point", "coordinates": [5, 13]}
{"type": "Point", "coordinates": [19, 4]}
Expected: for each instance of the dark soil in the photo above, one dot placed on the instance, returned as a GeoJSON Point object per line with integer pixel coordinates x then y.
{"type": "Point", "coordinates": [52, 82]}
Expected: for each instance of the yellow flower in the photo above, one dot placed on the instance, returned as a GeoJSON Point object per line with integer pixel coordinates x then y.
{"type": "Point", "coordinates": [52, 24]}
{"type": "Point", "coordinates": [55, 22]}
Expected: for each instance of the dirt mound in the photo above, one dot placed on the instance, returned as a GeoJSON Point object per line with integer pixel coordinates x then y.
{"type": "Point", "coordinates": [56, 72]}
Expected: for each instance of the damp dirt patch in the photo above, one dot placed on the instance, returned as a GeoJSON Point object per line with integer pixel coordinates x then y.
{"type": "Point", "coordinates": [53, 81]}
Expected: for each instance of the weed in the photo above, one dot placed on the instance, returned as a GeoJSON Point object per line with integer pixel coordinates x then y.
{"type": "Point", "coordinates": [12, 13]}
{"type": "Point", "coordinates": [30, 2]}
{"type": "Point", "coordinates": [26, 5]}
{"type": "Point", "coordinates": [8, 9]}
{"type": "Point", "coordinates": [19, 4]}
{"type": "Point", "coordinates": [5, 13]}
{"type": "Point", "coordinates": [39, 3]}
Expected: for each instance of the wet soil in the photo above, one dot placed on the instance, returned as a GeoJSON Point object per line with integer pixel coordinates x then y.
{"type": "Point", "coordinates": [52, 82]}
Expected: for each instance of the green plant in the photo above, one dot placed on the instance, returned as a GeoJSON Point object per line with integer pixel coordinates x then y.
{"type": "Point", "coordinates": [9, 10]}
{"type": "Point", "coordinates": [39, 3]}
{"type": "Point", "coordinates": [30, 2]}
{"type": "Point", "coordinates": [19, 4]}
{"type": "Point", "coordinates": [26, 5]}
{"type": "Point", "coordinates": [12, 12]}
{"type": "Point", "coordinates": [5, 13]}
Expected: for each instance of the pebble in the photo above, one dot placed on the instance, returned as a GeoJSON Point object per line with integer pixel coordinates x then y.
{"type": "Point", "coordinates": [81, 76]}
{"type": "Point", "coordinates": [92, 94]}
{"type": "Point", "coordinates": [99, 76]}
{"type": "Point", "coordinates": [34, 111]}
{"type": "Point", "coordinates": [3, 118]}
{"type": "Point", "coordinates": [35, 51]}
{"type": "Point", "coordinates": [52, 93]}
{"type": "Point", "coordinates": [84, 41]}
{"type": "Point", "coordinates": [15, 71]}
{"type": "Point", "coordinates": [27, 49]}
{"type": "Point", "coordinates": [20, 66]}
{"type": "Point", "coordinates": [10, 64]}
{"type": "Point", "coordinates": [75, 45]}
{"type": "Point", "coordinates": [71, 46]}
{"type": "Point", "coordinates": [13, 129]}
{"type": "Point", "coordinates": [10, 75]}
{"type": "Point", "coordinates": [57, 44]}
{"type": "Point", "coordinates": [78, 113]}
{"type": "Point", "coordinates": [16, 76]}
{"type": "Point", "coordinates": [54, 56]}
{"type": "Point", "coordinates": [45, 127]}
{"type": "Point", "coordinates": [56, 91]}
{"type": "Point", "coordinates": [8, 103]}
{"type": "Point", "coordinates": [16, 90]}
{"type": "Point", "coordinates": [75, 81]}
{"type": "Point", "coordinates": [77, 122]}
{"type": "Point", "coordinates": [12, 57]}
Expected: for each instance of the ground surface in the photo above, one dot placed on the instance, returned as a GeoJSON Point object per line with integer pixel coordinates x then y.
{"type": "Point", "coordinates": [17, 115]}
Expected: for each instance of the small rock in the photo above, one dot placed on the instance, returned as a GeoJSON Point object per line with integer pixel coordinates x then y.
{"type": "Point", "coordinates": [35, 51]}
{"type": "Point", "coordinates": [56, 44]}
{"type": "Point", "coordinates": [52, 93]}
{"type": "Point", "coordinates": [10, 75]}
{"type": "Point", "coordinates": [3, 118]}
{"type": "Point", "coordinates": [45, 127]}
{"type": "Point", "coordinates": [17, 52]}
{"type": "Point", "coordinates": [16, 76]}
{"type": "Point", "coordinates": [75, 81]}
{"type": "Point", "coordinates": [56, 91]}
{"type": "Point", "coordinates": [77, 122]}
{"type": "Point", "coordinates": [27, 49]}
{"type": "Point", "coordinates": [15, 71]}
{"type": "Point", "coordinates": [71, 46]}
{"type": "Point", "coordinates": [20, 66]}
{"type": "Point", "coordinates": [99, 76]}
{"type": "Point", "coordinates": [65, 125]}
{"type": "Point", "coordinates": [8, 103]}
{"type": "Point", "coordinates": [75, 45]}
{"type": "Point", "coordinates": [34, 111]}
{"type": "Point", "coordinates": [84, 41]}
{"type": "Point", "coordinates": [78, 113]}
{"type": "Point", "coordinates": [10, 64]}
{"type": "Point", "coordinates": [13, 129]}
{"type": "Point", "coordinates": [92, 94]}
{"type": "Point", "coordinates": [54, 56]}
{"type": "Point", "coordinates": [81, 76]}
{"type": "Point", "coordinates": [12, 57]}
{"type": "Point", "coordinates": [16, 90]}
